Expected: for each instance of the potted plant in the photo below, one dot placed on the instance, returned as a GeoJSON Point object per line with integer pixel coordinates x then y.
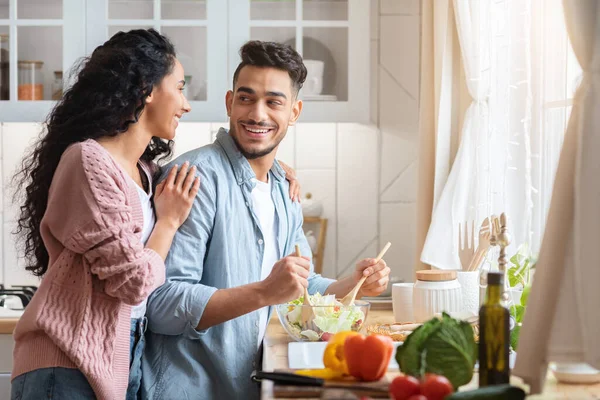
{"type": "Point", "coordinates": [519, 276]}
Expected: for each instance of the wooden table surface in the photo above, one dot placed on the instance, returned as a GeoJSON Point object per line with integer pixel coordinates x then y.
{"type": "Point", "coordinates": [275, 356]}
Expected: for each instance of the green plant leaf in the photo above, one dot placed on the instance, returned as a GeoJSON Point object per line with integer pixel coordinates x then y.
{"type": "Point", "coordinates": [514, 337]}
{"type": "Point", "coordinates": [514, 277]}
{"type": "Point", "coordinates": [517, 312]}
{"type": "Point", "coordinates": [525, 295]}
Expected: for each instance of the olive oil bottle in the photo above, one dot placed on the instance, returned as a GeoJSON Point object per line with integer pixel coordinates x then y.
{"type": "Point", "coordinates": [494, 335]}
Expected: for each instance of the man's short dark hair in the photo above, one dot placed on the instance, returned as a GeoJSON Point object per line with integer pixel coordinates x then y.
{"type": "Point", "coordinates": [275, 55]}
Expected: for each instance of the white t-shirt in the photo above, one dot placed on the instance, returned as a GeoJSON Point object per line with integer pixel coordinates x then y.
{"type": "Point", "coordinates": [149, 220]}
{"type": "Point", "coordinates": [264, 208]}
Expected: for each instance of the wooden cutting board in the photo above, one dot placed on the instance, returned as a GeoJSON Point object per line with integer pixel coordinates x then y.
{"type": "Point", "coordinates": [377, 390]}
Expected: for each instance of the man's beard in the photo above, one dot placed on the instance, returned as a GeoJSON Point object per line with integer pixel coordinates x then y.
{"type": "Point", "coordinates": [252, 155]}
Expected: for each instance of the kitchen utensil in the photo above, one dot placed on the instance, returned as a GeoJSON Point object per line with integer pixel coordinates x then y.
{"type": "Point", "coordinates": [469, 284]}
{"type": "Point", "coordinates": [465, 244]}
{"type": "Point", "coordinates": [348, 300]}
{"type": "Point", "coordinates": [307, 311]}
{"type": "Point", "coordinates": [402, 302]}
{"type": "Point", "coordinates": [436, 291]}
{"type": "Point", "coordinates": [333, 318]}
{"type": "Point", "coordinates": [289, 378]}
{"type": "Point", "coordinates": [482, 247]}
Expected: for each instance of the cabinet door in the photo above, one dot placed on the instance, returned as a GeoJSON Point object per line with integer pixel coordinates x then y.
{"type": "Point", "coordinates": [197, 28]}
{"type": "Point", "coordinates": [331, 36]}
{"type": "Point", "coordinates": [39, 40]}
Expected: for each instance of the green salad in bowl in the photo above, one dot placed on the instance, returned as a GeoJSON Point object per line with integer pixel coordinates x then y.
{"type": "Point", "coordinates": [330, 317]}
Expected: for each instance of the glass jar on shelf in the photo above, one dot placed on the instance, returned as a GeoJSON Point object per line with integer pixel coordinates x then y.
{"type": "Point", "coordinates": [4, 68]}
{"type": "Point", "coordinates": [57, 85]}
{"type": "Point", "coordinates": [31, 85]}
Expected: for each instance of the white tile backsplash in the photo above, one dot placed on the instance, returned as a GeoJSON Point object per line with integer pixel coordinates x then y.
{"type": "Point", "coordinates": [2, 248]}
{"type": "Point", "coordinates": [397, 153]}
{"type": "Point", "coordinates": [16, 140]}
{"type": "Point", "coordinates": [410, 7]}
{"type": "Point", "coordinates": [397, 223]}
{"type": "Point", "coordinates": [315, 145]}
{"type": "Point", "coordinates": [358, 198]}
{"type": "Point", "coordinates": [191, 135]}
{"type": "Point", "coordinates": [369, 251]}
{"type": "Point", "coordinates": [400, 39]}
{"type": "Point", "coordinates": [287, 148]}
{"type": "Point", "coordinates": [374, 14]}
{"type": "Point", "coordinates": [398, 112]}
{"type": "Point", "coordinates": [404, 186]}
{"type": "Point", "coordinates": [374, 88]}
{"type": "Point", "coordinates": [321, 185]}
{"type": "Point", "coordinates": [14, 264]}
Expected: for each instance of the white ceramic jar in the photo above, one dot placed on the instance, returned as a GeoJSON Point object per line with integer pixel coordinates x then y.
{"type": "Point", "coordinates": [311, 207]}
{"type": "Point", "coordinates": [436, 291]}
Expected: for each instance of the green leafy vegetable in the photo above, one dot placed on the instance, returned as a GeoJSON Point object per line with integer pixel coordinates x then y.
{"type": "Point", "coordinates": [443, 346]}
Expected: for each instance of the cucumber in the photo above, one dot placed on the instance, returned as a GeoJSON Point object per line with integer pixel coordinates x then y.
{"type": "Point", "coordinates": [497, 392]}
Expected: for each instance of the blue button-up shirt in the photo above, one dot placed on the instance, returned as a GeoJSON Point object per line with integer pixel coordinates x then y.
{"type": "Point", "coordinates": [219, 246]}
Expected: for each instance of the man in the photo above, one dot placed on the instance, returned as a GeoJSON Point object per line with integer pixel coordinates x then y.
{"type": "Point", "coordinates": [233, 257]}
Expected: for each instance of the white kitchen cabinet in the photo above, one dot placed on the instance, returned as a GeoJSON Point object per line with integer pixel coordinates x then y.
{"type": "Point", "coordinates": [330, 34]}
{"type": "Point", "coordinates": [49, 35]}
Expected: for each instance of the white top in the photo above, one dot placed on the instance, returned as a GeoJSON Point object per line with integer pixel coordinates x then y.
{"type": "Point", "coordinates": [149, 220]}
{"type": "Point", "coordinates": [264, 208]}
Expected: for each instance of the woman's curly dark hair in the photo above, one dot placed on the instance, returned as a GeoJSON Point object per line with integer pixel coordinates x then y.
{"type": "Point", "coordinates": [109, 94]}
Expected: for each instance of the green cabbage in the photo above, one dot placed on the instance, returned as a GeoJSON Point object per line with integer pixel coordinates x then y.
{"type": "Point", "coordinates": [443, 346]}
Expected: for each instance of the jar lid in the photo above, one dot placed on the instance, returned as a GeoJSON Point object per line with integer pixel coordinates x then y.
{"type": "Point", "coordinates": [435, 275]}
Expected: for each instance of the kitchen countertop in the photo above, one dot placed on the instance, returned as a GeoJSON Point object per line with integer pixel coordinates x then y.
{"type": "Point", "coordinates": [8, 320]}
{"type": "Point", "coordinates": [275, 357]}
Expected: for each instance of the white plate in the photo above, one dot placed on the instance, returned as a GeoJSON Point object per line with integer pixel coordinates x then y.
{"type": "Point", "coordinates": [309, 355]}
{"type": "Point", "coordinates": [575, 373]}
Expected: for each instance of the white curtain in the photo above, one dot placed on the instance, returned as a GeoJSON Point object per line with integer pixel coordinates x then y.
{"type": "Point", "coordinates": [439, 107]}
{"type": "Point", "coordinates": [491, 171]}
{"type": "Point", "coordinates": [562, 319]}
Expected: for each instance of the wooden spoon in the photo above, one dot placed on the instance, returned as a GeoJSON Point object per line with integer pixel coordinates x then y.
{"type": "Point", "coordinates": [307, 311]}
{"type": "Point", "coordinates": [483, 247]}
{"type": "Point", "coordinates": [348, 300]}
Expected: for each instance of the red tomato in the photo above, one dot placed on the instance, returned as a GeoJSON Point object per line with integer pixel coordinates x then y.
{"type": "Point", "coordinates": [417, 397]}
{"type": "Point", "coordinates": [326, 336]}
{"type": "Point", "coordinates": [404, 386]}
{"type": "Point", "coordinates": [436, 387]}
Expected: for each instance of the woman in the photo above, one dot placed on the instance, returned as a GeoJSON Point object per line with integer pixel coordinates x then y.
{"type": "Point", "coordinates": [87, 213]}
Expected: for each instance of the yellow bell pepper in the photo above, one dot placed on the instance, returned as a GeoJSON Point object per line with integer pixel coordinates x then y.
{"type": "Point", "coordinates": [333, 357]}
{"type": "Point", "coordinates": [326, 373]}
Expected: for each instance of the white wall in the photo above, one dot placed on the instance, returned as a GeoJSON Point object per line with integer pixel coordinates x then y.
{"type": "Point", "coordinates": [337, 163]}
{"type": "Point", "coordinates": [395, 60]}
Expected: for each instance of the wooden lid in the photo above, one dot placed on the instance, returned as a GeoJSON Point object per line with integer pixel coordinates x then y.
{"type": "Point", "coordinates": [435, 275]}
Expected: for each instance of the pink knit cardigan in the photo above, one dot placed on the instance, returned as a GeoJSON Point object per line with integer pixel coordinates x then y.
{"type": "Point", "coordinates": [80, 315]}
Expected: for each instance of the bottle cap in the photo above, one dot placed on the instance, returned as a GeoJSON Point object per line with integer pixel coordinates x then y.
{"type": "Point", "coordinates": [495, 278]}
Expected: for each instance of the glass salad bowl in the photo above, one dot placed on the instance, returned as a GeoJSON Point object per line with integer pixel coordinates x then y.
{"type": "Point", "coordinates": [330, 317]}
